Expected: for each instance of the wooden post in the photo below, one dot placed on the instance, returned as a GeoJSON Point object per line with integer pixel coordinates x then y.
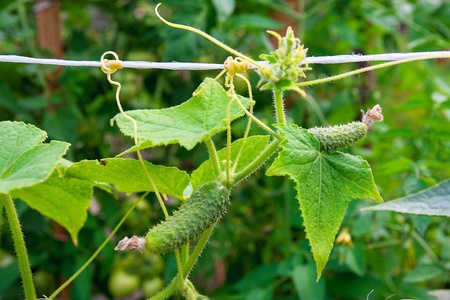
{"type": "Point", "coordinates": [48, 23]}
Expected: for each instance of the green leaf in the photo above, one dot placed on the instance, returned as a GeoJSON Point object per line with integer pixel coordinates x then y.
{"type": "Point", "coordinates": [354, 259]}
{"type": "Point", "coordinates": [325, 183]}
{"type": "Point", "coordinates": [63, 202]}
{"type": "Point", "coordinates": [434, 201]}
{"type": "Point", "coordinates": [305, 284]}
{"type": "Point", "coordinates": [33, 166]}
{"type": "Point", "coordinates": [224, 8]}
{"type": "Point", "coordinates": [128, 176]}
{"type": "Point", "coordinates": [424, 272]}
{"type": "Point", "coordinates": [252, 147]}
{"type": "Point", "coordinates": [187, 124]}
{"type": "Point", "coordinates": [15, 139]}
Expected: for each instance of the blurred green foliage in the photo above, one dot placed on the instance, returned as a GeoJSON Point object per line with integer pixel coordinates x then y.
{"type": "Point", "coordinates": [259, 249]}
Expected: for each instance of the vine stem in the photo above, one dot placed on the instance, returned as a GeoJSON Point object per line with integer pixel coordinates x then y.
{"type": "Point", "coordinates": [72, 278]}
{"type": "Point", "coordinates": [228, 159]}
{"type": "Point", "coordinates": [258, 162]}
{"type": "Point", "coordinates": [108, 71]}
{"type": "Point", "coordinates": [264, 126]}
{"type": "Point", "coordinates": [247, 130]}
{"type": "Point", "coordinates": [362, 70]}
{"type": "Point", "coordinates": [173, 286]}
{"type": "Point", "coordinates": [213, 155]}
{"type": "Point", "coordinates": [207, 36]}
{"type": "Point", "coordinates": [279, 108]}
{"type": "Point", "coordinates": [19, 245]}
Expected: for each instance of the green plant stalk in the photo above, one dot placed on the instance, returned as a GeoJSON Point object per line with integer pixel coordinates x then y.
{"type": "Point", "coordinates": [173, 286]}
{"type": "Point", "coordinates": [243, 141]}
{"type": "Point", "coordinates": [72, 278]}
{"type": "Point", "coordinates": [197, 251]}
{"type": "Point", "coordinates": [19, 245]}
{"type": "Point", "coordinates": [185, 253]}
{"type": "Point", "coordinates": [228, 159]}
{"type": "Point", "coordinates": [213, 155]}
{"type": "Point", "coordinates": [264, 126]}
{"type": "Point", "coordinates": [161, 203]}
{"type": "Point", "coordinates": [279, 109]}
{"type": "Point", "coordinates": [247, 130]}
{"type": "Point", "coordinates": [181, 284]}
{"type": "Point", "coordinates": [362, 70]}
{"type": "Point", "coordinates": [258, 162]}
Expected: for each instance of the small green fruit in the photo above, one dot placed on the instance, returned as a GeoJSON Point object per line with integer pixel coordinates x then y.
{"type": "Point", "coordinates": [338, 137]}
{"type": "Point", "coordinates": [199, 212]}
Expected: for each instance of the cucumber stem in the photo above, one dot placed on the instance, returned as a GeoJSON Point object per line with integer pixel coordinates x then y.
{"type": "Point", "coordinates": [19, 245]}
{"type": "Point", "coordinates": [258, 162]}
{"type": "Point", "coordinates": [173, 286]}
{"type": "Point", "coordinates": [279, 109]}
{"type": "Point", "coordinates": [213, 155]}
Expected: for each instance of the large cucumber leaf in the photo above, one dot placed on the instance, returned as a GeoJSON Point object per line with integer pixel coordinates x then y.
{"type": "Point", "coordinates": [252, 147]}
{"type": "Point", "coordinates": [24, 161]}
{"type": "Point", "coordinates": [128, 176]}
{"type": "Point", "coordinates": [325, 182]}
{"type": "Point", "coordinates": [187, 124]}
{"type": "Point", "coordinates": [63, 202]}
{"type": "Point", "coordinates": [15, 139]}
{"type": "Point", "coordinates": [434, 201]}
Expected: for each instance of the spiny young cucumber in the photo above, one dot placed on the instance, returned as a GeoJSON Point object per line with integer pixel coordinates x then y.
{"type": "Point", "coordinates": [338, 137]}
{"type": "Point", "coordinates": [204, 208]}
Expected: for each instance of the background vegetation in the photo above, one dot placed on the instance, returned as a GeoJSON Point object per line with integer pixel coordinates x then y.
{"type": "Point", "coordinates": [259, 249]}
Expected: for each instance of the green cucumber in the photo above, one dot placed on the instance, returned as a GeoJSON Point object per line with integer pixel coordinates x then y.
{"type": "Point", "coordinates": [338, 137]}
{"type": "Point", "coordinates": [201, 210]}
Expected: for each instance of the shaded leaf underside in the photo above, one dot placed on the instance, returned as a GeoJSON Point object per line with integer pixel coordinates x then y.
{"type": "Point", "coordinates": [434, 201]}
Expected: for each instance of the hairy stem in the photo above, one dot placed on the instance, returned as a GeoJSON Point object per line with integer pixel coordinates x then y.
{"type": "Point", "coordinates": [228, 159]}
{"type": "Point", "coordinates": [185, 253]}
{"type": "Point", "coordinates": [197, 251]}
{"type": "Point", "coordinates": [213, 155]}
{"type": "Point", "coordinates": [250, 95]}
{"type": "Point", "coordinates": [279, 109]}
{"type": "Point", "coordinates": [19, 245]}
{"type": "Point", "coordinates": [258, 162]}
{"type": "Point", "coordinates": [264, 126]}
{"type": "Point", "coordinates": [173, 286]}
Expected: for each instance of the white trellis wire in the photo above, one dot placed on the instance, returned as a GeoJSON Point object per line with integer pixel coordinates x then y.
{"type": "Point", "coordinates": [337, 59]}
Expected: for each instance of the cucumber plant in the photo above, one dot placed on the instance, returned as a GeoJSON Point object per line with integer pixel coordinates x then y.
{"type": "Point", "coordinates": [326, 179]}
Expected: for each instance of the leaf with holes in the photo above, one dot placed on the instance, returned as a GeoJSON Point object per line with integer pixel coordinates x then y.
{"type": "Point", "coordinates": [187, 124]}
{"type": "Point", "coordinates": [325, 182]}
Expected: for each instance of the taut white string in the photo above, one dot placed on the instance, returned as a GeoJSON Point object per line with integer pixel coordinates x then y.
{"type": "Point", "coordinates": [337, 59]}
